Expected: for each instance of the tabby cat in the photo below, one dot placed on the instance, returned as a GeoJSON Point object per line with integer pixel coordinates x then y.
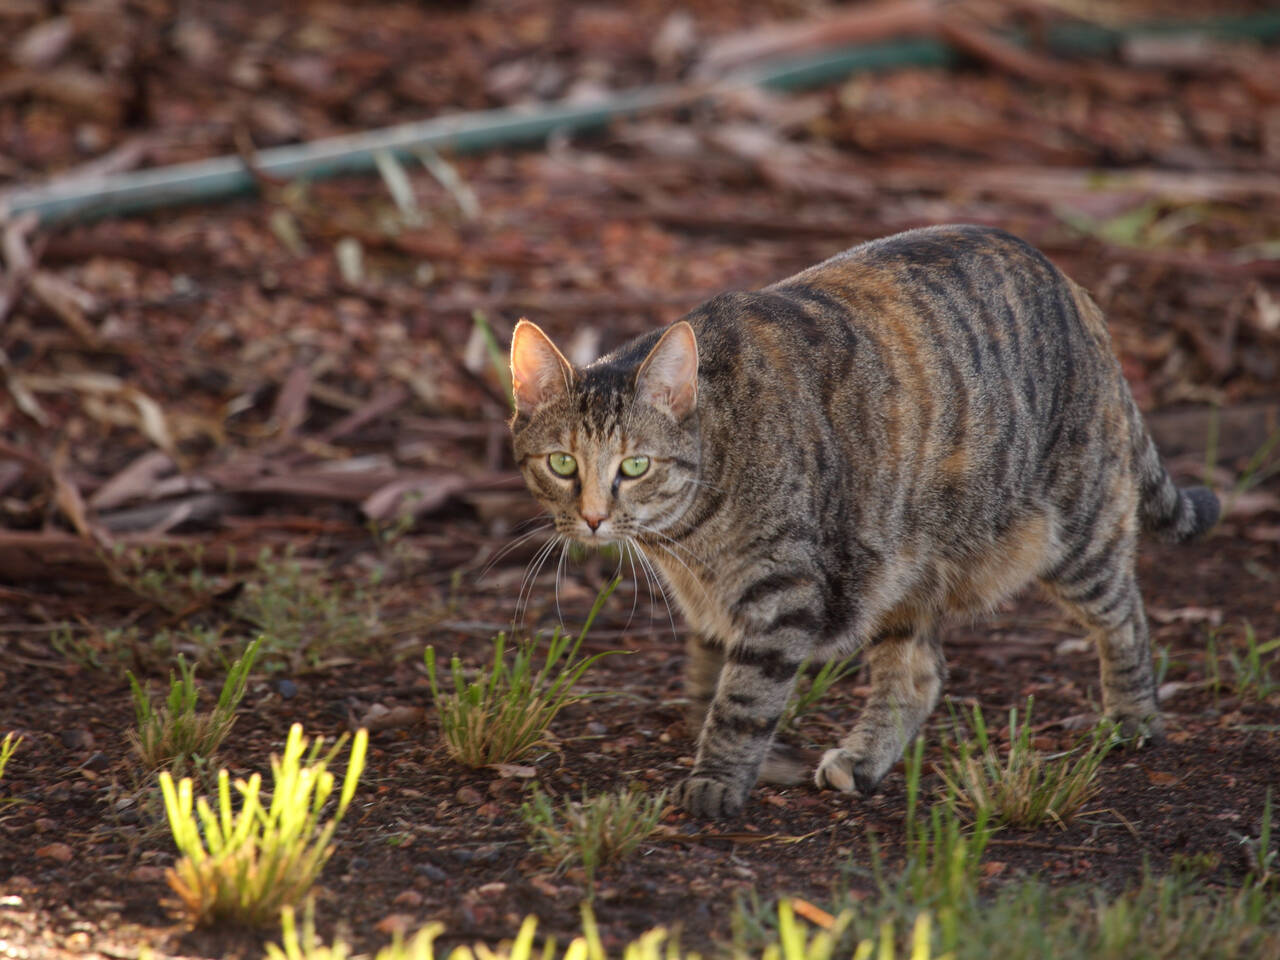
{"type": "Point", "coordinates": [918, 426]}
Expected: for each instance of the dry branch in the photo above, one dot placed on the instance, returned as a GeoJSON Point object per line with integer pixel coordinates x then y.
{"type": "Point", "coordinates": [861, 25]}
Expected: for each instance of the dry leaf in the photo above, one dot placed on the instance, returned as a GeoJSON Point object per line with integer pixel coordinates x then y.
{"type": "Point", "coordinates": [133, 482]}
{"type": "Point", "coordinates": [151, 420]}
{"type": "Point", "coordinates": [815, 915]}
{"type": "Point", "coordinates": [514, 770]}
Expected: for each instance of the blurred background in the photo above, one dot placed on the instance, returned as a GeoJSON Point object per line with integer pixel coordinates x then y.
{"type": "Point", "coordinates": [327, 338]}
{"type": "Point", "coordinates": [247, 396]}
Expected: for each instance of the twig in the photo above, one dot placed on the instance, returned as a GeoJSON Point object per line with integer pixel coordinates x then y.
{"type": "Point", "coordinates": [19, 261]}
{"type": "Point", "coordinates": [1063, 847]}
{"type": "Point", "coordinates": [874, 22]}
{"type": "Point", "coordinates": [1005, 56]}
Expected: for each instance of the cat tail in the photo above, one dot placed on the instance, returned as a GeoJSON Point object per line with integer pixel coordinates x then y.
{"type": "Point", "coordinates": [1172, 513]}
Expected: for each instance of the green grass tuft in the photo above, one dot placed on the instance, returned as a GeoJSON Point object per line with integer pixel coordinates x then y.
{"type": "Point", "coordinates": [792, 942]}
{"type": "Point", "coordinates": [599, 830]}
{"type": "Point", "coordinates": [242, 868]}
{"type": "Point", "coordinates": [1024, 788]}
{"type": "Point", "coordinates": [177, 734]}
{"type": "Point", "coordinates": [303, 616]}
{"type": "Point", "coordinates": [8, 746]}
{"type": "Point", "coordinates": [1251, 669]}
{"type": "Point", "coordinates": [506, 710]}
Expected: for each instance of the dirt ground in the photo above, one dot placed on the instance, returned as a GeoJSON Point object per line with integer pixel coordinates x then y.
{"type": "Point", "coordinates": [200, 384]}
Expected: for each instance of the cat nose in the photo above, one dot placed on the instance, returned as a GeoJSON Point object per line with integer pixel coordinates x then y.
{"type": "Point", "coordinates": [593, 520]}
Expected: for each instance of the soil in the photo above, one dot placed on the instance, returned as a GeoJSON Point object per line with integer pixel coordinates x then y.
{"type": "Point", "coordinates": [269, 366]}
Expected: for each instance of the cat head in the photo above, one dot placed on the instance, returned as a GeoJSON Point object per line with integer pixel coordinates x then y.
{"type": "Point", "coordinates": [610, 449]}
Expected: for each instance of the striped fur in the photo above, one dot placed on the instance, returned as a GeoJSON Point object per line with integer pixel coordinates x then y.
{"type": "Point", "coordinates": [917, 427]}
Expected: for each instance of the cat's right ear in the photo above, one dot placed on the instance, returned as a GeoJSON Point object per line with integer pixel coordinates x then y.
{"type": "Point", "coordinates": [539, 372]}
{"type": "Point", "coordinates": [668, 378]}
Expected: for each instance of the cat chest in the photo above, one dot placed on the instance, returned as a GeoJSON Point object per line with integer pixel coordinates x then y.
{"type": "Point", "coordinates": [699, 601]}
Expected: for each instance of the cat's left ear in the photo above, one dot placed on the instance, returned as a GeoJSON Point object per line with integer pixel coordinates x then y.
{"type": "Point", "coordinates": [539, 372]}
{"type": "Point", "coordinates": [668, 378]}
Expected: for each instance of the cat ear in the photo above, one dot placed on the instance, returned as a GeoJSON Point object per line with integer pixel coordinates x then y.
{"type": "Point", "coordinates": [539, 372]}
{"type": "Point", "coordinates": [668, 378]}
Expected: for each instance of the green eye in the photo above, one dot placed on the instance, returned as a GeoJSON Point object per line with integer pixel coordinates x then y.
{"type": "Point", "coordinates": [562, 464]}
{"type": "Point", "coordinates": [634, 466]}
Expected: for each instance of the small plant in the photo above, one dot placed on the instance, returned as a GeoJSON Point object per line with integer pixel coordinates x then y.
{"type": "Point", "coordinates": [822, 681]}
{"type": "Point", "coordinates": [308, 945]}
{"type": "Point", "coordinates": [793, 942]}
{"type": "Point", "coordinates": [113, 648]}
{"type": "Point", "coordinates": [599, 830]}
{"type": "Point", "coordinates": [250, 864]}
{"type": "Point", "coordinates": [1026, 788]}
{"type": "Point", "coordinates": [1259, 467]}
{"type": "Point", "coordinates": [302, 616]}
{"type": "Point", "coordinates": [1199, 863]}
{"type": "Point", "coordinates": [944, 858]}
{"type": "Point", "coordinates": [1251, 670]}
{"type": "Point", "coordinates": [1264, 857]}
{"type": "Point", "coordinates": [8, 746]}
{"type": "Point", "coordinates": [506, 710]}
{"type": "Point", "coordinates": [172, 580]}
{"type": "Point", "coordinates": [176, 733]}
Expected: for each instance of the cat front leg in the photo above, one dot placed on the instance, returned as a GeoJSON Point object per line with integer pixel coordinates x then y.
{"type": "Point", "coordinates": [907, 675]}
{"type": "Point", "coordinates": [704, 659]}
{"type": "Point", "coordinates": [750, 697]}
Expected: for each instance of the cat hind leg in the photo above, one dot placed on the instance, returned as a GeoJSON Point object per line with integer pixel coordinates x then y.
{"type": "Point", "coordinates": [1108, 604]}
{"type": "Point", "coordinates": [908, 671]}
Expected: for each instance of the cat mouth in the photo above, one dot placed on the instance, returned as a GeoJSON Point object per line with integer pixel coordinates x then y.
{"type": "Point", "coordinates": [604, 536]}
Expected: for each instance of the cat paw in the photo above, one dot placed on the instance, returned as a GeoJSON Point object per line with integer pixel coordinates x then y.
{"type": "Point", "coordinates": [845, 771]}
{"type": "Point", "coordinates": [710, 798]}
{"type": "Point", "coordinates": [1139, 731]}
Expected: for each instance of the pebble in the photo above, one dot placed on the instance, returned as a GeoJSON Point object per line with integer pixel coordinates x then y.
{"type": "Point", "coordinates": [431, 872]}
{"type": "Point", "coordinates": [490, 811]}
{"type": "Point", "coordinates": [469, 795]}
{"type": "Point", "coordinates": [394, 923]}
{"type": "Point", "coordinates": [78, 942]}
{"type": "Point", "coordinates": [56, 851]}
{"type": "Point", "coordinates": [287, 688]}
{"type": "Point", "coordinates": [489, 854]}
{"type": "Point", "coordinates": [408, 898]}
{"type": "Point", "coordinates": [76, 739]}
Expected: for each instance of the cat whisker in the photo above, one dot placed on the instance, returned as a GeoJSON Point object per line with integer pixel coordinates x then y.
{"type": "Point", "coordinates": [627, 551]}
{"type": "Point", "coordinates": [529, 572]}
{"type": "Point", "coordinates": [647, 579]}
{"type": "Point", "coordinates": [564, 550]}
{"type": "Point", "coordinates": [692, 575]}
{"type": "Point", "coordinates": [531, 575]}
{"type": "Point", "coordinates": [674, 544]}
{"type": "Point", "coordinates": [503, 551]}
{"type": "Point", "coordinates": [662, 590]}
{"type": "Point", "coordinates": [670, 549]}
